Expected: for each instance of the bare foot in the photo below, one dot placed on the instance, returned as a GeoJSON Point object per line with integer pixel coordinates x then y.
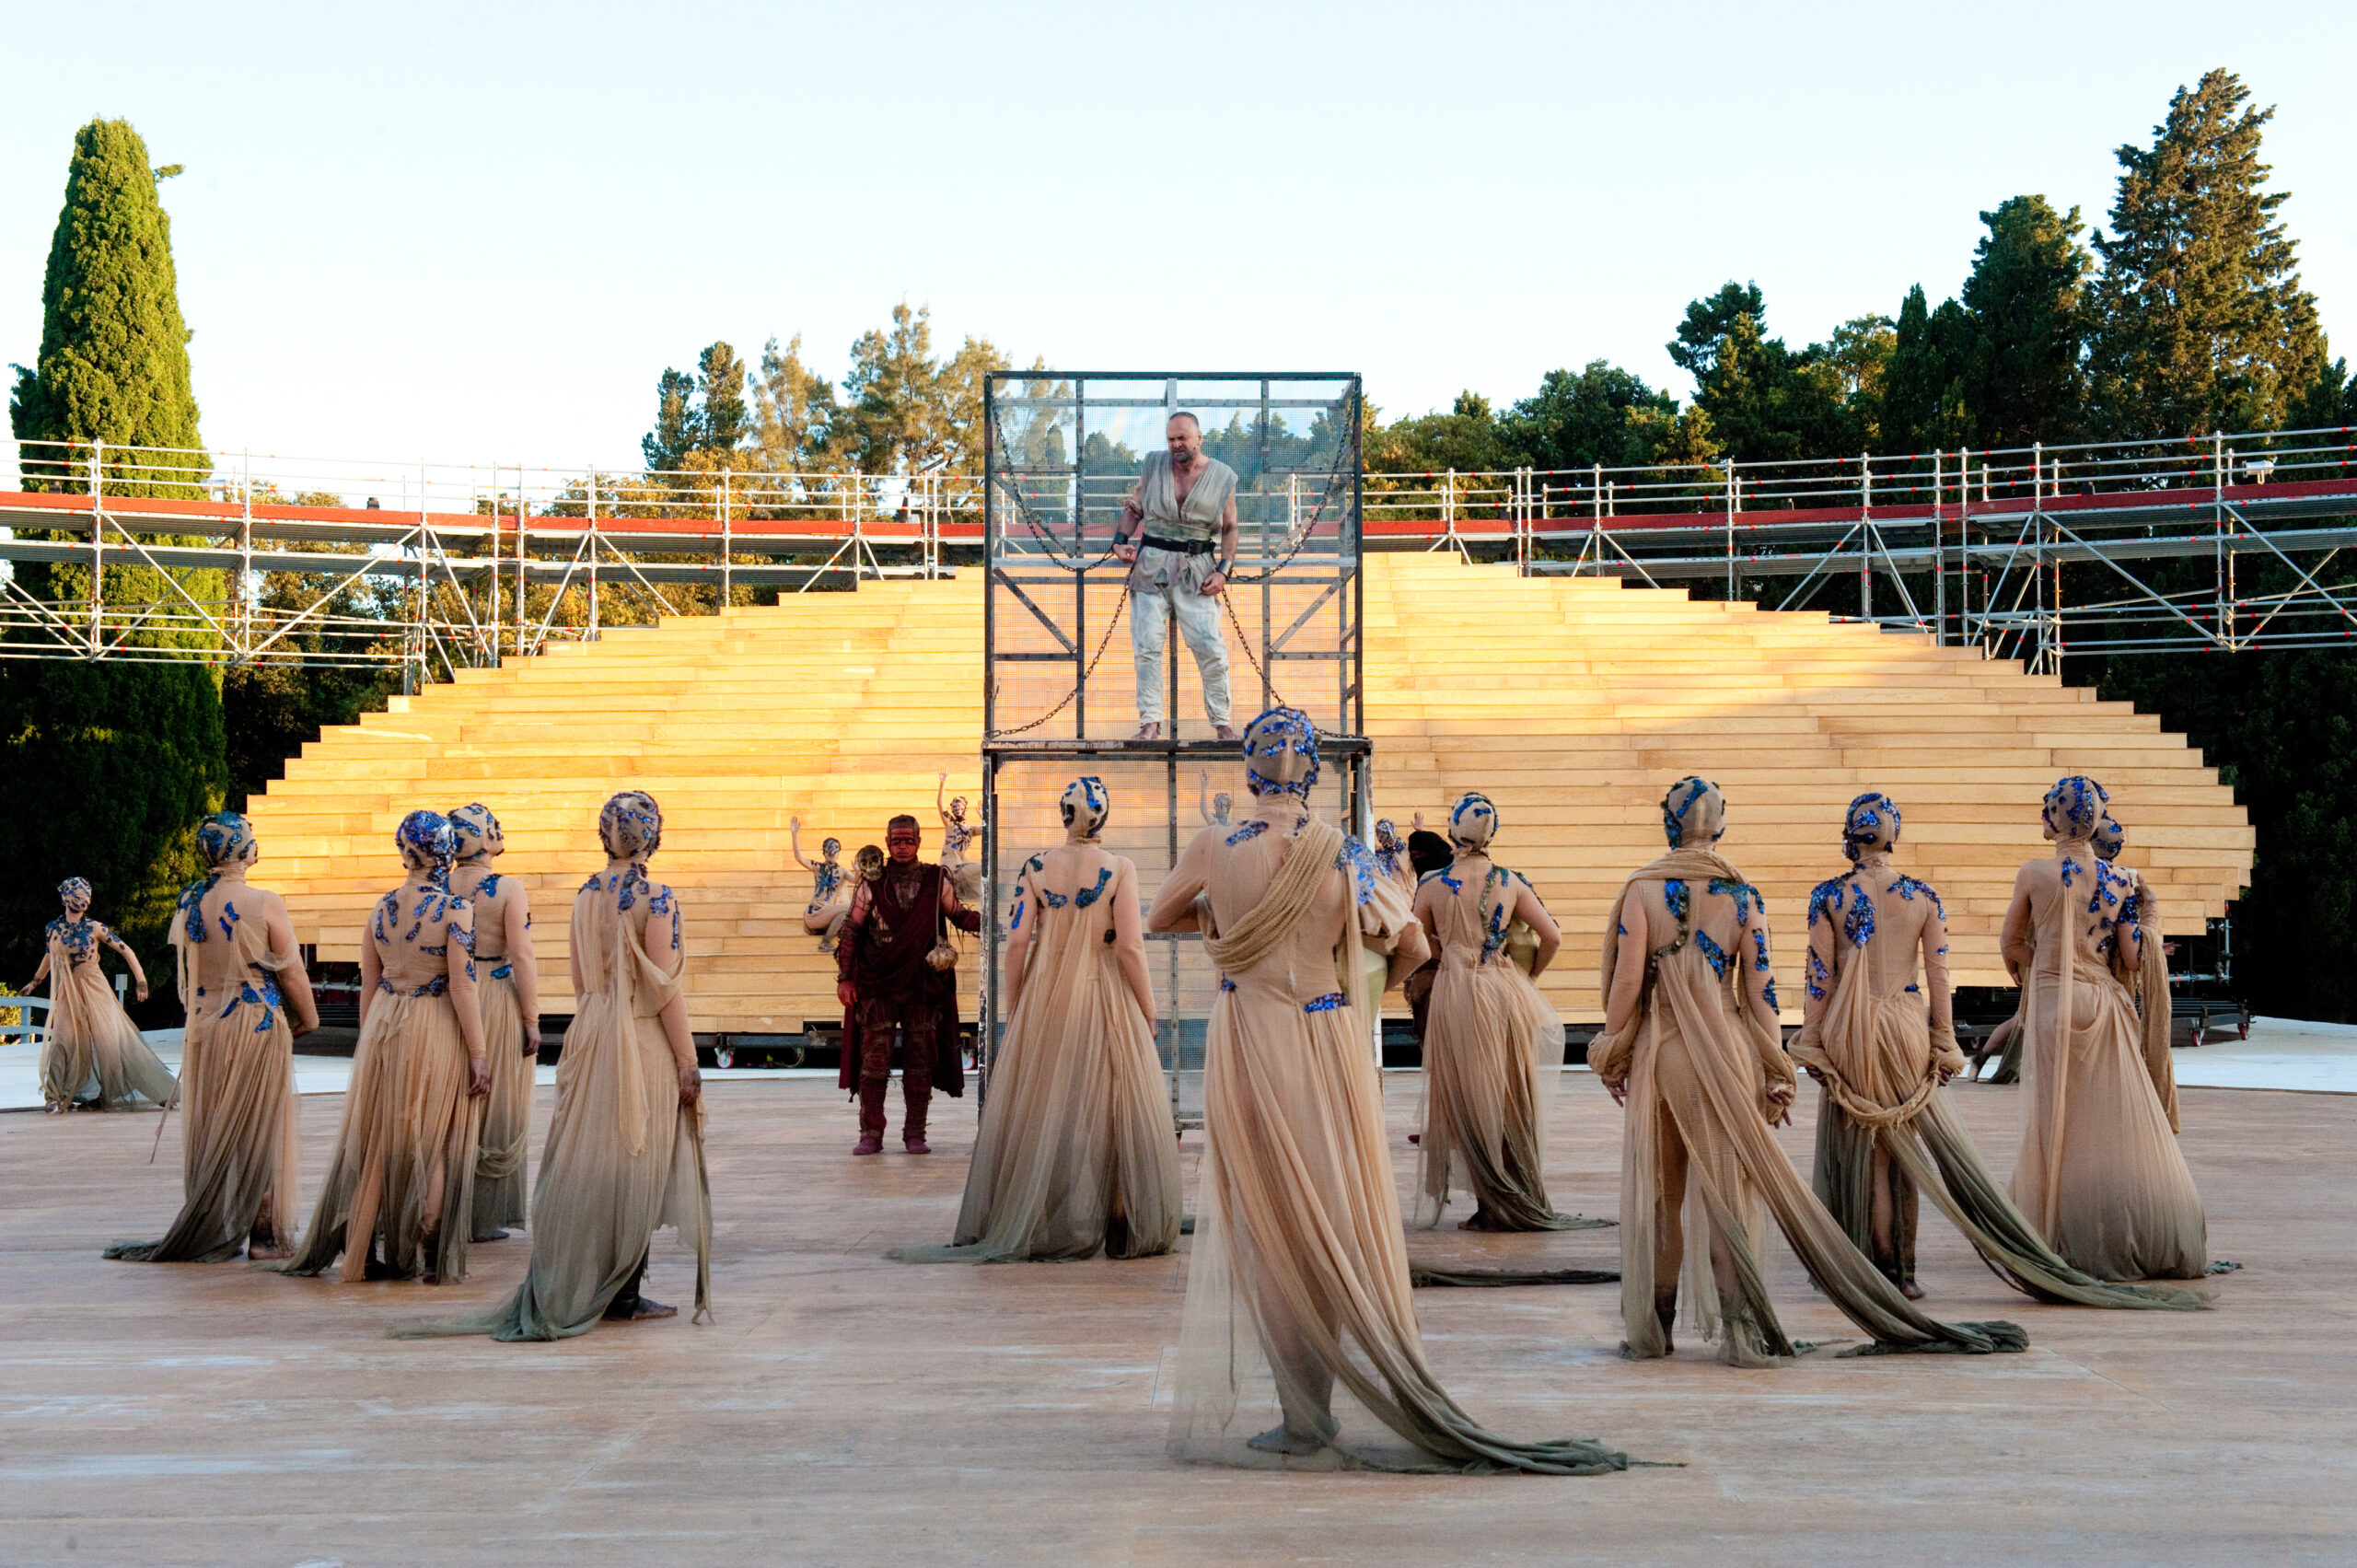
{"type": "Point", "coordinates": [1910, 1290]}
{"type": "Point", "coordinates": [642, 1310]}
{"type": "Point", "coordinates": [1148, 731]}
{"type": "Point", "coordinates": [1285, 1440]}
{"type": "Point", "coordinates": [267, 1251]}
{"type": "Point", "coordinates": [1225, 731]}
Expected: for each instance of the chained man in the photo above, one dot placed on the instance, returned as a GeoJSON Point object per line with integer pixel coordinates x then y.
{"type": "Point", "coordinates": [1184, 556]}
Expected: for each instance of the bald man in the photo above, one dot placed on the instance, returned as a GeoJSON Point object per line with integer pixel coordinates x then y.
{"type": "Point", "coordinates": [1186, 502]}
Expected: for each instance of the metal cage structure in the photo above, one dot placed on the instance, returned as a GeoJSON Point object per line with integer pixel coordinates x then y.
{"type": "Point", "coordinates": [1062, 453]}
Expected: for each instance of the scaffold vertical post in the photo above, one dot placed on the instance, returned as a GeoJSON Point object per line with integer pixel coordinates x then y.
{"type": "Point", "coordinates": [593, 555]}
{"type": "Point", "coordinates": [98, 546]}
{"type": "Point", "coordinates": [1731, 505]}
{"type": "Point", "coordinates": [727, 563]}
{"type": "Point", "coordinates": [1865, 537]}
{"type": "Point", "coordinates": [491, 605]}
{"type": "Point", "coordinates": [1939, 558]}
{"type": "Point", "coordinates": [522, 535]}
{"type": "Point", "coordinates": [2219, 555]}
{"type": "Point", "coordinates": [246, 554]}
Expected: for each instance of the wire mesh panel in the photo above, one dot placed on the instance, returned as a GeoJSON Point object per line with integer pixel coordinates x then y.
{"type": "Point", "coordinates": [1064, 453]}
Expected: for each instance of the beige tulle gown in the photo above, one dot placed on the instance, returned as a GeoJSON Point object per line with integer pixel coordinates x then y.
{"type": "Point", "coordinates": [1494, 1047]}
{"type": "Point", "coordinates": [1691, 1041]}
{"type": "Point", "coordinates": [242, 981]}
{"type": "Point", "coordinates": [624, 1153]}
{"type": "Point", "coordinates": [2099, 1172]}
{"type": "Point", "coordinates": [93, 1054]}
{"type": "Point", "coordinates": [504, 988]}
{"type": "Point", "coordinates": [1300, 1265]}
{"type": "Point", "coordinates": [1882, 1042]}
{"type": "Point", "coordinates": [1075, 1151]}
{"type": "Point", "coordinates": [399, 1190]}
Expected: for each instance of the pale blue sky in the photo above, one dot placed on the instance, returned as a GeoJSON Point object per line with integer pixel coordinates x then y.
{"type": "Point", "coordinates": [480, 232]}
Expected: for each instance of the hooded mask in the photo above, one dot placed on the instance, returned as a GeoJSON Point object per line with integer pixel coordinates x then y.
{"type": "Point", "coordinates": [1472, 823]}
{"type": "Point", "coordinates": [476, 830]}
{"type": "Point", "coordinates": [1281, 754]}
{"type": "Point", "coordinates": [1871, 826]}
{"type": "Point", "coordinates": [1693, 814]}
{"type": "Point", "coordinates": [631, 826]}
{"type": "Point", "coordinates": [1086, 806]}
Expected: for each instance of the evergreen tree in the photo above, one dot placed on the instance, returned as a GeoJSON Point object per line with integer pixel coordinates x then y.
{"type": "Point", "coordinates": [720, 382]}
{"type": "Point", "coordinates": [1575, 420]}
{"type": "Point", "coordinates": [1766, 402]}
{"type": "Point", "coordinates": [2202, 323]}
{"type": "Point", "coordinates": [1924, 403]}
{"type": "Point", "coordinates": [902, 409]}
{"type": "Point", "coordinates": [2027, 300]}
{"type": "Point", "coordinates": [124, 756]}
{"type": "Point", "coordinates": [794, 412]}
{"type": "Point", "coordinates": [666, 448]}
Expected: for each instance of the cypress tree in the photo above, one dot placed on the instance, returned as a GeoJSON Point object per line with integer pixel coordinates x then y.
{"type": "Point", "coordinates": [2027, 298]}
{"type": "Point", "coordinates": [123, 757]}
{"type": "Point", "coordinates": [2202, 323]}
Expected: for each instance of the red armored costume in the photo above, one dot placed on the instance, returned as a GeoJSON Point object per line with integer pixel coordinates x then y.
{"type": "Point", "coordinates": [885, 984]}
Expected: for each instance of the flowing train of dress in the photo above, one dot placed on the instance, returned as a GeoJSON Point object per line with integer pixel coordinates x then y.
{"type": "Point", "coordinates": [404, 1167]}
{"type": "Point", "coordinates": [1874, 1048]}
{"type": "Point", "coordinates": [1075, 1150]}
{"type": "Point", "coordinates": [93, 1050]}
{"type": "Point", "coordinates": [240, 1132]}
{"type": "Point", "coordinates": [1698, 1063]}
{"type": "Point", "coordinates": [1492, 1045]}
{"type": "Point", "coordinates": [501, 1197]}
{"type": "Point", "coordinates": [623, 1156]}
{"type": "Point", "coordinates": [1300, 1261]}
{"type": "Point", "coordinates": [2099, 1173]}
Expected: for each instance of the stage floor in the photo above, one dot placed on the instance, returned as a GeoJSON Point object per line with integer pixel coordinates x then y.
{"type": "Point", "coordinates": [850, 1410]}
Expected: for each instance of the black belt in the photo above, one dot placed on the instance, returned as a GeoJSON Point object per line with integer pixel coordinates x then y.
{"type": "Point", "coordinates": [1177, 546]}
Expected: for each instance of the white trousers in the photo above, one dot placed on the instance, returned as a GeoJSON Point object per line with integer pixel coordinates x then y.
{"type": "Point", "coordinates": [1150, 634]}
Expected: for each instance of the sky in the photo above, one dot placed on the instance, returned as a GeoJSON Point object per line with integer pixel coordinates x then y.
{"type": "Point", "coordinates": [479, 233]}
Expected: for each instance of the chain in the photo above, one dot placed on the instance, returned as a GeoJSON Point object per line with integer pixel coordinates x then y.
{"type": "Point", "coordinates": [1227, 602]}
{"type": "Point", "coordinates": [1102, 643]}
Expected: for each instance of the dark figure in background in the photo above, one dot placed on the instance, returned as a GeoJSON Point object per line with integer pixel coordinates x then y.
{"type": "Point", "coordinates": [896, 970]}
{"type": "Point", "coordinates": [1427, 853]}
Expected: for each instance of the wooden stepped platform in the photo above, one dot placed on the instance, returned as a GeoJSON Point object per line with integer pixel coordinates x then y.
{"type": "Point", "coordinates": [1570, 701]}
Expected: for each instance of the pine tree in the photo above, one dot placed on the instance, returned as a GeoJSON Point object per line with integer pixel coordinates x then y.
{"type": "Point", "coordinates": [125, 757]}
{"type": "Point", "coordinates": [2027, 298]}
{"type": "Point", "coordinates": [2202, 323]}
{"type": "Point", "coordinates": [1924, 405]}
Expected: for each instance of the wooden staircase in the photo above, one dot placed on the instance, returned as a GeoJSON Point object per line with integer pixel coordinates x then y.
{"type": "Point", "coordinates": [1571, 702]}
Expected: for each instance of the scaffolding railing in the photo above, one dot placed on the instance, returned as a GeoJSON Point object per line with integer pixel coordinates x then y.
{"type": "Point", "coordinates": [261, 558]}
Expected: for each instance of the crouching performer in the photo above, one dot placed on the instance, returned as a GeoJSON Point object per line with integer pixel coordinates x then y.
{"type": "Point", "coordinates": [1691, 1046]}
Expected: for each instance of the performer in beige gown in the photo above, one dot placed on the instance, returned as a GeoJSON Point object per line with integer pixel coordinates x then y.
{"type": "Point", "coordinates": [507, 983]}
{"type": "Point", "coordinates": [248, 999]}
{"type": "Point", "coordinates": [93, 1056]}
{"type": "Point", "coordinates": [399, 1197]}
{"type": "Point", "coordinates": [2153, 1010]}
{"type": "Point", "coordinates": [1493, 1046]}
{"type": "Point", "coordinates": [624, 1154]}
{"type": "Point", "coordinates": [1075, 1151]}
{"type": "Point", "coordinates": [2099, 1172]}
{"type": "Point", "coordinates": [1299, 1257]}
{"type": "Point", "coordinates": [1691, 1047]}
{"type": "Point", "coordinates": [1883, 1047]}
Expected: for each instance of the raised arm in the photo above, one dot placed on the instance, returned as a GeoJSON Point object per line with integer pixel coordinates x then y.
{"type": "Point", "coordinates": [1528, 909]}
{"type": "Point", "coordinates": [130, 960]}
{"type": "Point", "coordinates": [516, 913]}
{"type": "Point", "coordinates": [1203, 796]}
{"type": "Point", "coordinates": [941, 798]}
{"type": "Point", "coordinates": [793, 843]}
{"type": "Point", "coordinates": [1129, 942]}
{"type": "Point", "coordinates": [459, 937]}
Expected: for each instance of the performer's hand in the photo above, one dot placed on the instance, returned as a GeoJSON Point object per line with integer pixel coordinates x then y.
{"type": "Point", "coordinates": [1215, 583]}
{"type": "Point", "coordinates": [1813, 1073]}
{"type": "Point", "coordinates": [302, 1027]}
{"type": "Point", "coordinates": [141, 992]}
{"type": "Point", "coordinates": [1619, 1089]}
{"type": "Point", "coordinates": [531, 1038]}
{"type": "Point", "coordinates": [1125, 553]}
{"type": "Point", "coordinates": [1780, 1097]}
{"type": "Point", "coordinates": [690, 1085]}
{"type": "Point", "coordinates": [843, 992]}
{"type": "Point", "coordinates": [478, 1077]}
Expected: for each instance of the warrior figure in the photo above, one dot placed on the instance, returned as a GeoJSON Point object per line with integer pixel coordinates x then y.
{"type": "Point", "coordinates": [896, 972]}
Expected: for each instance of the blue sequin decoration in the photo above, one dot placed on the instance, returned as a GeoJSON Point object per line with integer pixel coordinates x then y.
{"type": "Point", "coordinates": [1088, 896]}
{"type": "Point", "coordinates": [1744, 894]}
{"type": "Point", "coordinates": [489, 887]}
{"type": "Point", "coordinates": [504, 971]}
{"type": "Point", "coordinates": [1760, 949]}
{"type": "Point", "coordinates": [1825, 899]}
{"type": "Point", "coordinates": [80, 937]}
{"type": "Point", "coordinates": [1325, 1004]}
{"type": "Point", "coordinates": [1358, 863]}
{"type": "Point", "coordinates": [1712, 951]}
{"type": "Point", "coordinates": [434, 987]}
{"type": "Point", "coordinates": [1819, 977]}
{"type": "Point", "coordinates": [1857, 925]}
{"type": "Point", "coordinates": [1245, 833]}
{"type": "Point", "coordinates": [1769, 991]}
{"type": "Point", "coordinates": [230, 918]}
{"type": "Point", "coordinates": [1908, 887]}
{"type": "Point", "coordinates": [1673, 898]}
